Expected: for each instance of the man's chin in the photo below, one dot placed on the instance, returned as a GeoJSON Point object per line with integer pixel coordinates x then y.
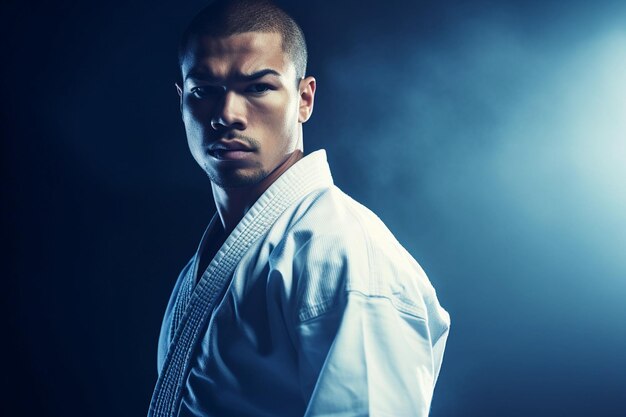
{"type": "Point", "coordinates": [236, 179]}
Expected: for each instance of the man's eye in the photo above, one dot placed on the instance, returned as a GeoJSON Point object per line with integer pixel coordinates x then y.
{"type": "Point", "coordinates": [258, 88]}
{"type": "Point", "coordinates": [206, 91]}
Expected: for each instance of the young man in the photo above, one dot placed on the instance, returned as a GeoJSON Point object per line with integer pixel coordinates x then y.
{"type": "Point", "coordinates": [299, 301]}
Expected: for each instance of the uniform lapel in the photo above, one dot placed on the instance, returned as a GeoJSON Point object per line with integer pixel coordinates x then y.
{"type": "Point", "coordinates": [302, 178]}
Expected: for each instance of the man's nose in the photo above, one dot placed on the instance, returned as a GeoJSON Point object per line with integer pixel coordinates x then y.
{"type": "Point", "coordinates": [230, 113]}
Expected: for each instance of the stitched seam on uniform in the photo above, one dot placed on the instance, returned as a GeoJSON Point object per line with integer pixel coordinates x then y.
{"type": "Point", "coordinates": [407, 308]}
{"type": "Point", "coordinates": [329, 310]}
{"type": "Point", "coordinates": [181, 303]}
{"type": "Point", "coordinates": [323, 307]}
{"type": "Point", "coordinates": [315, 310]}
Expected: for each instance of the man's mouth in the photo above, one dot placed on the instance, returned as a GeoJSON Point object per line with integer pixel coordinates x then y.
{"type": "Point", "coordinates": [230, 150]}
{"type": "Point", "coordinates": [229, 154]}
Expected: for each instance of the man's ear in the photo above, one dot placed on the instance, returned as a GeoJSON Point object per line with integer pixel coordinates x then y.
{"type": "Point", "coordinates": [180, 96]}
{"type": "Point", "coordinates": [307, 97]}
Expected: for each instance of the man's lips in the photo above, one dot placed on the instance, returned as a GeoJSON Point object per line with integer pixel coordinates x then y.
{"type": "Point", "coordinates": [229, 150]}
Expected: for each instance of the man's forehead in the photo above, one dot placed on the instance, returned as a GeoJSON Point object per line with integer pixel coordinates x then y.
{"type": "Point", "coordinates": [267, 42]}
{"type": "Point", "coordinates": [241, 53]}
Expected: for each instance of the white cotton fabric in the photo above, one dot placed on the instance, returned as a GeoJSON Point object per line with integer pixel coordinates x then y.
{"type": "Point", "coordinates": [323, 314]}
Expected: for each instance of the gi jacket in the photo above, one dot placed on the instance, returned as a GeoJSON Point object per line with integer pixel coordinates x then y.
{"type": "Point", "coordinates": [310, 308]}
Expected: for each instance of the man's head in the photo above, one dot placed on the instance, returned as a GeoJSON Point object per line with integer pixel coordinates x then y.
{"type": "Point", "coordinates": [243, 94]}
{"type": "Point", "coordinates": [223, 18]}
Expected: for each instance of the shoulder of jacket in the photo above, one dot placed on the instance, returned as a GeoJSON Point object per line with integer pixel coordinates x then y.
{"type": "Point", "coordinates": [334, 245]}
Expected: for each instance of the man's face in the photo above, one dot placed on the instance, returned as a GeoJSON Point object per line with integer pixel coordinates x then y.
{"type": "Point", "coordinates": [240, 106]}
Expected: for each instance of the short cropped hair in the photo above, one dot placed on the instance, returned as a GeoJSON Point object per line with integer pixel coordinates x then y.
{"type": "Point", "coordinates": [223, 18]}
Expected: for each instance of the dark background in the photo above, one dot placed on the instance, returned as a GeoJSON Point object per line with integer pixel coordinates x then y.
{"type": "Point", "coordinates": [490, 137]}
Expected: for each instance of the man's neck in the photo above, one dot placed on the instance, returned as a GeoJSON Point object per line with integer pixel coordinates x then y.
{"type": "Point", "coordinates": [233, 203]}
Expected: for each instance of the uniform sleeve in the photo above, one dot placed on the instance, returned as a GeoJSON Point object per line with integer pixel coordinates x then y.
{"type": "Point", "coordinates": [366, 357]}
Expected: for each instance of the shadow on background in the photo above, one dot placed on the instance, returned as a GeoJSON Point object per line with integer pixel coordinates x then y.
{"type": "Point", "coordinates": [491, 138]}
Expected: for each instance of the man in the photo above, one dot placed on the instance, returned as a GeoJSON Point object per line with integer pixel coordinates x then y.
{"type": "Point", "coordinates": [299, 301]}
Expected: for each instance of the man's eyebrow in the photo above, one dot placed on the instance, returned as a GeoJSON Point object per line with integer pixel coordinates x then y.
{"type": "Point", "coordinates": [207, 76]}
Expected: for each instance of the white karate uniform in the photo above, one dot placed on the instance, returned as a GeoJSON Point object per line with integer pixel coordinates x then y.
{"type": "Point", "coordinates": [310, 308]}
